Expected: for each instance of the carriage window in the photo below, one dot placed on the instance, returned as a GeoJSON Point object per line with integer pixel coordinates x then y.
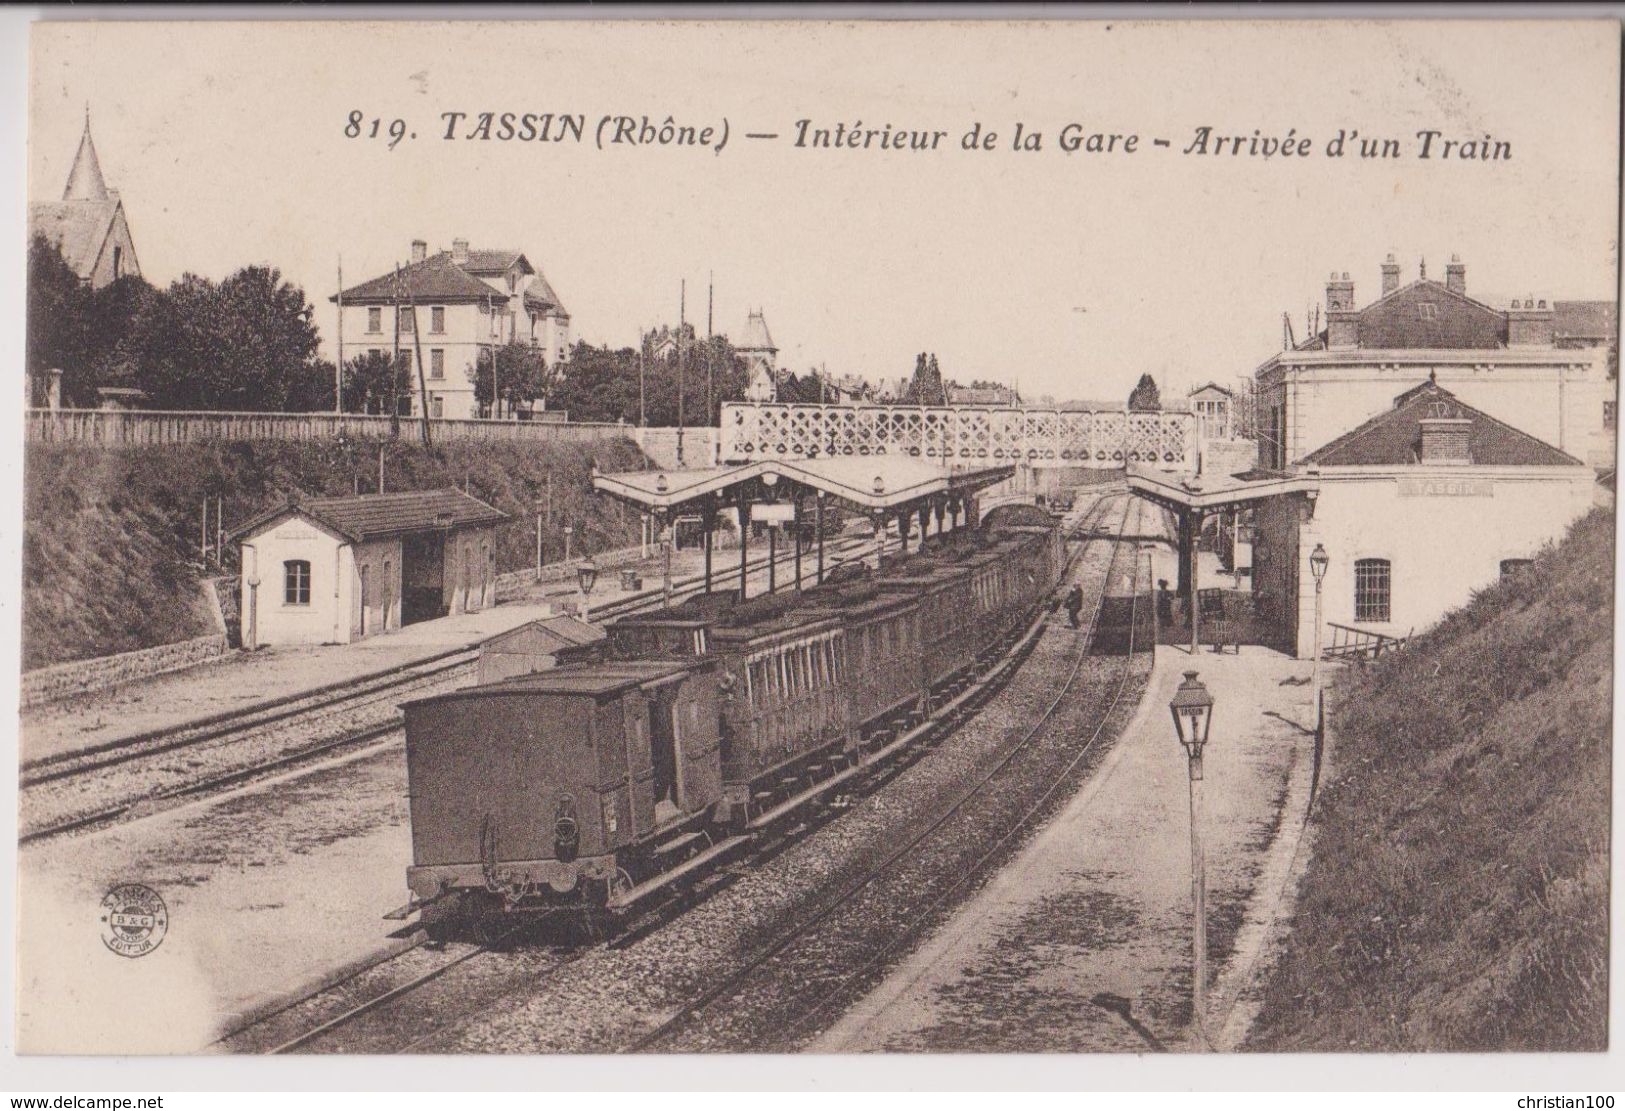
{"type": "Point", "coordinates": [296, 582]}
{"type": "Point", "coordinates": [1372, 589]}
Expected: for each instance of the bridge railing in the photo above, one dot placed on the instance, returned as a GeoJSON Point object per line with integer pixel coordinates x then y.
{"type": "Point", "coordinates": [1107, 439]}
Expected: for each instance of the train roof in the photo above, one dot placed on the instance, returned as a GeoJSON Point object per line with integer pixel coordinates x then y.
{"type": "Point", "coordinates": [592, 680]}
{"type": "Point", "coordinates": [791, 621]}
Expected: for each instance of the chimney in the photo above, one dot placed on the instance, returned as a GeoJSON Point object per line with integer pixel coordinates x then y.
{"type": "Point", "coordinates": [1455, 276]}
{"type": "Point", "coordinates": [420, 250]}
{"type": "Point", "coordinates": [1390, 275]}
{"type": "Point", "coordinates": [1530, 324]}
{"type": "Point", "coordinates": [1342, 321]}
{"type": "Point", "coordinates": [459, 251]}
{"type": "Point", "coordinates": [1447, 440]}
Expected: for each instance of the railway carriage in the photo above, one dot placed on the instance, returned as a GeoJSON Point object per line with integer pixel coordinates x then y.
{"type": "Point", "coordinates": [881, 662]}
{"type": "Point", "coordinates": [557, 781]}
{"type": "Point", "coordinates": [781, 702]}
{"type": "Point", "coordinates": [576, 786]}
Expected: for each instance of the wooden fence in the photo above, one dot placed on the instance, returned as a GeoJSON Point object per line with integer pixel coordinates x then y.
{"type": "Point", "coordinates": [122, 428]}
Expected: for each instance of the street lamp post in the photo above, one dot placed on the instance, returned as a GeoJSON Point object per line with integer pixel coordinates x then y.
{"type": "Point", "coordinates": [1192, 709]}
{"type": "Point", "coordinates": [586, 575]}
{"type": "Point", "coordinates": [1318, 561]}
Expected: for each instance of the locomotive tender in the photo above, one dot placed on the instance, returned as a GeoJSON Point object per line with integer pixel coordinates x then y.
{"type": "Point", "coordinates": [579, 785]}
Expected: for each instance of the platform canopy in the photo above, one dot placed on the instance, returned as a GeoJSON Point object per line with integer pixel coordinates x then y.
{"type": "Point", "coordinates": [1211, 493]}
{"type": "Point", "coordinates": [872, 485]}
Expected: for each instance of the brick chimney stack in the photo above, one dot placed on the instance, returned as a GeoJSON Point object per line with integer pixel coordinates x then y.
{"type": "Point", "coordinates": [420, 250]}
{"type": "Point", "coordinates": [459, 251]}
{"type": "Point", "coordinates": [1530, 324]}
{"type": "Point", "coordinates": [1342, 321]}
{"type": "Point", "coordinates": [1390, 275]}
{"type": "Point", "coordinates": [1455, 276]}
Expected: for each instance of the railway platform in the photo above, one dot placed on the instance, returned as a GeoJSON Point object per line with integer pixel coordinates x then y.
{"type": "Point", "coordinates": [1083, 942]}
{"type": "Point", "coordinates": [242, 681]}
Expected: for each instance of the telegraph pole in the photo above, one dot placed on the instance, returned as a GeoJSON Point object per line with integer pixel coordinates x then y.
{"type": "Point", "coordinates": [338, 369]}
{"type": "Point", "coordinates": [682, 326]}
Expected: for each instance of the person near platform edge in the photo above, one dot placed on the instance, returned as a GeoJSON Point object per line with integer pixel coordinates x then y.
{"type": "Point", "coordinates": [1074, 605]}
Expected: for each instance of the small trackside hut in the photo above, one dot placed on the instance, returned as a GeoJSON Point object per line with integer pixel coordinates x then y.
{"type": "Point", "coordinates": [334, 570]}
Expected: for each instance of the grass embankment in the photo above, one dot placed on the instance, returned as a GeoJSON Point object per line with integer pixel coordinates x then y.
{"type": "Point", "coordinates": [110, 550]}
{"type": "Point", "coordinates": [1457, 897]}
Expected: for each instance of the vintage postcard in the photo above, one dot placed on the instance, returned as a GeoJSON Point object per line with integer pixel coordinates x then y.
{"type": "Point", "coordinates": [632, 536]}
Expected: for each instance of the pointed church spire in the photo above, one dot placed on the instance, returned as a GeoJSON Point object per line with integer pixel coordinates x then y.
{"type": "Point", "coordinates": [85, 182]}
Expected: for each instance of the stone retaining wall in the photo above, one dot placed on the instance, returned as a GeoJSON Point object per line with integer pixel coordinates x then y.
{"type": "Point", "coordinates": [511, 583]}
{"type": "Point", "coordinates": [47, 684]}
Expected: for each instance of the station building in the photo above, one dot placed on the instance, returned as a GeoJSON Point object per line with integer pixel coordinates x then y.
{"type": "Point", "coordinates": [334, 570]}
{"type": "Point", "coordinates": [1542, 366]}
{"type": "Point", "coordinates": [1415, 509]}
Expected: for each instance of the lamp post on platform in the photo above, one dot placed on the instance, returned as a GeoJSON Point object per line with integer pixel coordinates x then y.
{"type": "Point", "coordinates": [586, 575]}
{"type": "Point", "coordinates": [1192, 709]}
{"type": "Point", "coordinates": [1318, 562]}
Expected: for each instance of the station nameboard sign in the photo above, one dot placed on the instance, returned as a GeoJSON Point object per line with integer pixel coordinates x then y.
{"type": "Point", "coordinates": [779, 513]}
{"type": "Point", "coordinates": [1446, 488]}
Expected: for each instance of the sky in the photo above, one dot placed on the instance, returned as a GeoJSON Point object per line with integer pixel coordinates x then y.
{"type": "Point", "coordinates": [1065, 274]}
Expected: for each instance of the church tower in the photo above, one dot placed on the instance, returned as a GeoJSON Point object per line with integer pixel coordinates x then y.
{"type": "Point", "coordinates": [88, 224]}
{"type": "Point", "coordinates": [761, 358]}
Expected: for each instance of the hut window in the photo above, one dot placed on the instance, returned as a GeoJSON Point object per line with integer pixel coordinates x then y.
{"type": "Point", "coordinates": [296, 582]}
{"type": "Point", "coordinates": [1372, 580]}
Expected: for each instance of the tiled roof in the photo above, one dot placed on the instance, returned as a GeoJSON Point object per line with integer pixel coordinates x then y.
{"type": "Point", "coordinates": [1394, 438]}
{"type": "Point", "coordinates": [1593, 320]}
{"type": "Point", "coordinates": [495, 262]}
{"type": "Point", "coordinates": [757, 337]}
{"type": "Point", "coordinates": [76, 228]}
{"type": "Point", "coordinates": [371, 516]}
{"type": "Point", "coordinates": [541, 295]}
{"type": "Point", "coordinates": [436, 278]}
{"type": "Point", "coordinates": [1428, 314]}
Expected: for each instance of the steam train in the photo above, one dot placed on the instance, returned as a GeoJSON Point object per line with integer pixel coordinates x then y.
{"type": "Point", "coordinates": [592, 784]}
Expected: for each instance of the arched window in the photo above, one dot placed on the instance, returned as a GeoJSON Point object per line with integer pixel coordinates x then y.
{"type": "Point", "coordinates": [1372, 589]}
{"type": "Point", "coordinates": [296, 582]}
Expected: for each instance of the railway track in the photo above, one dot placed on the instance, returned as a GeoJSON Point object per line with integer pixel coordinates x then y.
{"type": "Point", "coordinates": [789, 985]}
{"type": "Point", "coordinates": [397, 1017]}
{"type": "Point", "coordinates": [136, 775]}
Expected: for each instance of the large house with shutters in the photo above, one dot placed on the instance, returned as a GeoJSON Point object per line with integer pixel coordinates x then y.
{"type": "Point", "coordinates": [451, 306]}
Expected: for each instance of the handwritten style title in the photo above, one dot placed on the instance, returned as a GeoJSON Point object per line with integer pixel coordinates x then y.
{"type": "Point", "coordinates": [610, 132]}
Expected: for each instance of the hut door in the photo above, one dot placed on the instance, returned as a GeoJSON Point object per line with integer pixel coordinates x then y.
{"type": "Point", "coordinates": [663, 748]}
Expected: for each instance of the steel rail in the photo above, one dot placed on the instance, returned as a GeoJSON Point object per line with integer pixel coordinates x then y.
{"type": "Point", "coordinates": [655, 916]}
{"type": "Point", "coordinates": [804, 923]}
{"type": "Point", "coordinates": [918, 921]}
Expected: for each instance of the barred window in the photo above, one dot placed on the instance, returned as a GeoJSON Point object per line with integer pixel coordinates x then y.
{"type": "Point", "coordinates": [296, 582]}
{"type": "Point", "coordinates": [1372, 584]}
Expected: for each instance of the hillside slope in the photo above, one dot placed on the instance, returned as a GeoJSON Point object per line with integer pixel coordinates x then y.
{"type": "Point", "coordinates": [1457, 897]}
{"type": "Point", "coordinates": [110, 545]}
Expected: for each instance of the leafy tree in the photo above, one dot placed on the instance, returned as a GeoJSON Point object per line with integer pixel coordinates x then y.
{"type": "Point", "coordinates": [58, 319]}
{"type": "Point", "coordinates": [248, 343]}
{"type": "Point", "coordinates": [1146, 398]}
{"type": "Point", "coordinates": [73, 328]}
{"type": "Point", "coordinates": [374, 383]}
{"type": "Point", "coordinates": [926, 387]}
{"type": "Point", "coordinates": [522, 374]}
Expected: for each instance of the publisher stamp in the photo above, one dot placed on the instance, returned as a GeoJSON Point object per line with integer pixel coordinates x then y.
{"type": "Point", "coordinates": [134, 919]}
